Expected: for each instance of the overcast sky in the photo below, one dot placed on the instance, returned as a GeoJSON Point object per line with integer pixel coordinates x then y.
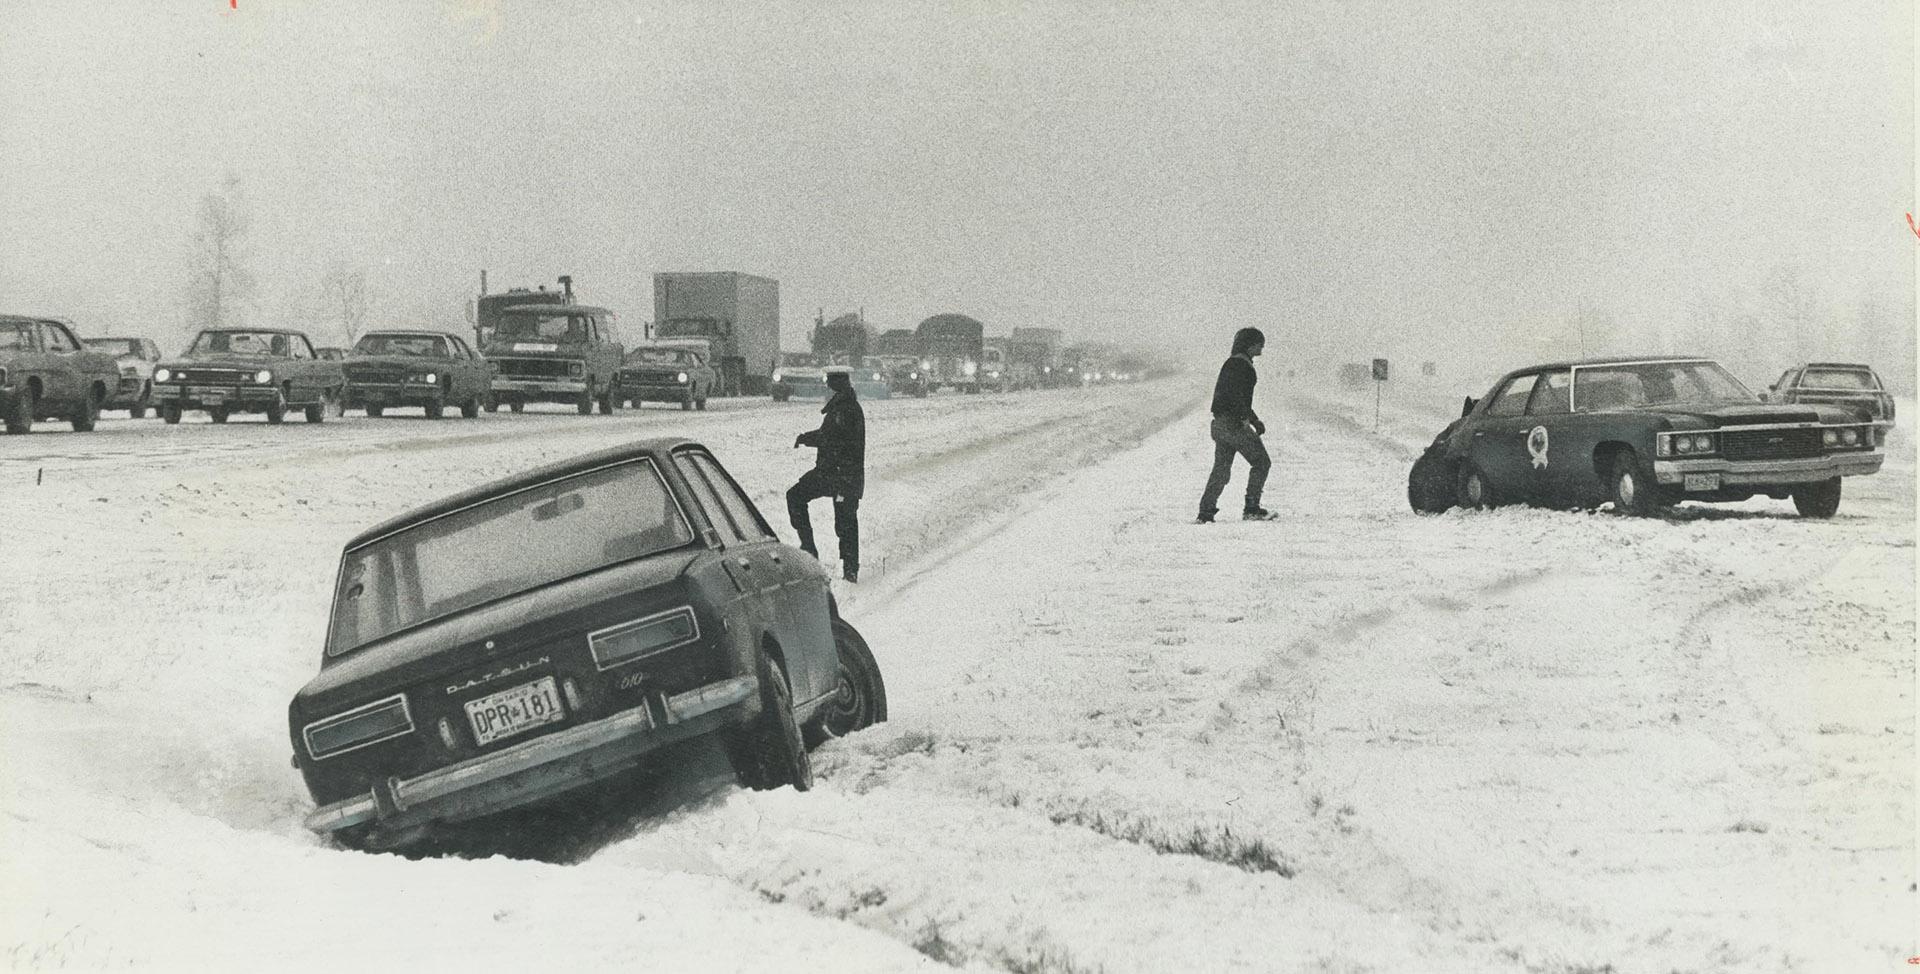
{"type": "Point", "coordinates": [1405, 177]}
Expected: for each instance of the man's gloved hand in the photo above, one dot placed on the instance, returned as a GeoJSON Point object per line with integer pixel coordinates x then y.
{"type": "Point", "coordinates": [799, 441]}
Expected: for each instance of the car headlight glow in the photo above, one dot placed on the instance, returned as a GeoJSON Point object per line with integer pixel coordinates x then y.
{"type": "Point", "coordinates": [776, 377]}
{"type": "Point", "coordinates": [876, 377]}
{"type": "Point", "coordinates": [1850, 436]}
{"type": "Point", "coordinates": [576, 368]}
{"type": "Point", "coordinates": [1830, 437]}
{"type": "Point", "coordinates": [378, 721]}
{"type": "Point", "coordinates": [970, 368]}
{"type": "Point", "coordinates": [162, 375]}
{"type": "Point", "coordinates": [913, 375]}
{"type": "Point", "coordinates": [682, 377]}
{"type": "Point", "coordinates": [263, 377]}
{"type": "Point", "coordinates": [926, 364]}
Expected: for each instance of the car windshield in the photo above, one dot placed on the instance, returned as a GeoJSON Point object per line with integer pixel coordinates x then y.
{"type": "Point", "coordinates": [1852, 380]}
{"type": "Point", "coordinates": [550, 327]}
{"type": "Point", "coordinates": [1601, 387]}
{"type": "Point", "coordinates": [268, 343]}
{"type": "Point", "coordinates": [503, 547]}
{"type": "Point", "coordinates": [418, 346]}
{"type": "Point", "coordinates": [113, 346]}
{"type": "Point", "coordinates": [14, 335]}
{"type": "Point", "coordinates": [661, 356]}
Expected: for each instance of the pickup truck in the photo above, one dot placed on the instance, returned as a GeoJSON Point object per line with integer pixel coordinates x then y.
{"type": "Point", "coordinates": [45, 373]}
{"type": "Point", "coordinates": [1849, 385]}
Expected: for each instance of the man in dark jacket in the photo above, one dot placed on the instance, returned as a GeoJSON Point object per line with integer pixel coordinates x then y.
{"type": "Point", "coordinates": [839, 472]}
{"type": "Point", "coordinates": [1236, 429]}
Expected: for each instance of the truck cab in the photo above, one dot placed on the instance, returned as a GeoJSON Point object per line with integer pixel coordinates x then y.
{"type": "Point", "coordinates": [564, 353]}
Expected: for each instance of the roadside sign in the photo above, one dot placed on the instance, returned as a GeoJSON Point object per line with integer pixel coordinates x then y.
{"type": "Point", "coordinates": [1379, 370]}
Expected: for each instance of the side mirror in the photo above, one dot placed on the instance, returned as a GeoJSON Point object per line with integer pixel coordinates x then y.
{"type": "Point", "coordinates": [1466, 407]}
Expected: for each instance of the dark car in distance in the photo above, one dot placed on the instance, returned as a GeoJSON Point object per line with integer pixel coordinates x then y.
{"type": "Point", "coordinates": [548, 630]}
{"type": "Point", "coordinates": [1643, 434]}
{"type": "Point", "coordinates": [428, 369]}
{"type": "Point", "coordinates": [45, 373]}
{"type": "Point", "coordinates": [1850, 384]}
{"type": "Point", "coordinates": [249, 370]}
{"type": "Point", "coordinates": [667, 373]}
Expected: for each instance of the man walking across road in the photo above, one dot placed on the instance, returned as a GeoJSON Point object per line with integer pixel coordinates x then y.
{"type": "Point", "coordinates": [839, 471]}
{"type": "Point", "coordinates": [1237, 430]}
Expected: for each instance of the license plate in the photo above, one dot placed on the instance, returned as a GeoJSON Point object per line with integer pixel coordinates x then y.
{"type": "Point", "coordinates": [535, 347]}
{"type": "Point", "coordinates": [213, 398]}
{"type": "Point", "coordinates": [1703, 481]}
{"type": "Point", "coordinates": [515, 710]}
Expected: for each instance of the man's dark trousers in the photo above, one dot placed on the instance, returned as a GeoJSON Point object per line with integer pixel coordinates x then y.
{"type": "Point", "coordinates": [1231, 436]}
{"type": "Point", "coordinates": [846, 517]}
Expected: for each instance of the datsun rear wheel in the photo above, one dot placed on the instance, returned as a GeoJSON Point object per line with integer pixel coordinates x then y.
{"type": "Point", "coordinates": [769, 752]}
{"type": "Point", "coordinates": [859, 694]}
{"type": "Point", "coordinates": [1820, 500]}
{"type": "Point", "coordinates": [1629, 489]}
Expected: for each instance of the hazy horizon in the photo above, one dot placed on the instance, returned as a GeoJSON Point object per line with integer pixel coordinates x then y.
{"type": "Point", "coordinates": [1426, 182]}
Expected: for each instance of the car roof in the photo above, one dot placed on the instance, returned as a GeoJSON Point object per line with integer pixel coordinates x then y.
{"type": "Point", "coordinates": [553, 309]}
{"type": "Point", "coordinates": [264, 330]}
{"type": "Point", "coordinates": [1612, 360]}
{"type": "Point", "coordinates": [1838, 365]}
{"type": "Point", "coordinates": [654, 447]}
{"type": "Point", "coordinates": [408, 331]}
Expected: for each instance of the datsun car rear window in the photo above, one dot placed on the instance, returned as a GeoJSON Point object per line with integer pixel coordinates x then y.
{"type": "Point", "coordinates": [1635, 384]}
{"type": "Point", "coordinates": [502, 547]}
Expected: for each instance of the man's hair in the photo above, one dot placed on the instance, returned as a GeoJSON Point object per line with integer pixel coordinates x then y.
{"type": "Point", "coordinates": [1246, 338]}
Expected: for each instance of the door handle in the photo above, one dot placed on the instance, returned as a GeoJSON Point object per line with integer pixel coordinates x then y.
{"type": "Point", "coordinates": [776, 559]}
{"type": "Point", "coordinates": [744, 563]}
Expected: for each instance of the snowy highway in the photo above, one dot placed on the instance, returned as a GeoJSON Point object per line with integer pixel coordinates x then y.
{"type": "Point", "coordinates": [1350, 739]}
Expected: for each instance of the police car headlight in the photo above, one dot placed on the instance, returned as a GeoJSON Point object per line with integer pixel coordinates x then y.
{"type": "Point", "coordinates": [682, 377]}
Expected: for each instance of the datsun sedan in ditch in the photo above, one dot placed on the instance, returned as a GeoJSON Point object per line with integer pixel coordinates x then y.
{"type": "Point", "coordinates": [662, 372]}
{"type": "Point", "coordinates": [249, 370]}
{"type": "Point", "coordinates": [45, 373]}
{"type": "Point", "coordinates": [428, 369]}
{"type": "Point", "coordinates": [1643, 434]}
{"type": "Point", "coordinates": [513, 642]}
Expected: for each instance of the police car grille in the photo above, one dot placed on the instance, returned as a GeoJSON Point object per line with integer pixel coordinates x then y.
{"type": "Point", "coordinates": [1771, 444]}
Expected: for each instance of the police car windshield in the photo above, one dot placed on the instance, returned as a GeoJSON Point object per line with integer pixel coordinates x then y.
{"type": "Point", "coordinates": [551, 327]}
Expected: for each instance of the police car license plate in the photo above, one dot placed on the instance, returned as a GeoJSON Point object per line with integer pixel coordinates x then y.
{"type": "Point", "coordinates": [515, 710]}
{"type": "Point", "coordinates": [1702, 481]}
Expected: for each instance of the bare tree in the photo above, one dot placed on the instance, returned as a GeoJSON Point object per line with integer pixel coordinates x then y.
{"type": "Point", "coordinates": [344, 292]}
{"type": "Point", "coordinates": [220, 285]}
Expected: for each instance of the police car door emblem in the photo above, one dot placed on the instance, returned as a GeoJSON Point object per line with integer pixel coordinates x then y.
{"type": "Point", "coordinates": [1537, 446]}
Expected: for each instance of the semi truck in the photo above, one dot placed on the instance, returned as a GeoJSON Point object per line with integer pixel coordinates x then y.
{"type": "Point", "coordinates": [842, 341]}
{"type": "Point", "coordinates": [739, 316]}
{"type": "Point", "coordinates": [952, 347]}
{"type": "Point", "coordinates": [1033, 357]}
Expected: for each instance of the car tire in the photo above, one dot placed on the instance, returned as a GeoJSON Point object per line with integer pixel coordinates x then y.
{"type": "Point", "coordinates": [1628, 489]}
{"type": "Point", "coordinates": [376, 411]}
{"type": "Point", "coordinates": [217, 413]}
{"type": "Point", "coordinates": [1429, 488]}
{"type": "Point", "coordinates": [1821, 500]}
{"type": "Point", "coordinates": [686, 405]}
{"type": "Point", "coordinates": [436, 409]}
{"type": "Point", "coordinates": [1473, 489]}
{"type": "Point", "coordinates": [170, 413]}
{"type": "Point", "coordinates": [585, 405]}
{"type": "Point", "coordinates": [87, 414]}
{"type": "Point", "coordinates": [517, 406]}
{"type": "Point", "coordinates": [277, 409]}
{"type": "Point", "coordinates": [769, 752]}
{"type": "Point", "coordinates": [700, 404]}
{"type": "Point", "coordinates": [859, 694]}
{"type": "Point", "coordinates": [471, 408]}
{"type": "Point", "coordinates": [609, 401]}
{"type": "Point", "coordinates": [20, 417]}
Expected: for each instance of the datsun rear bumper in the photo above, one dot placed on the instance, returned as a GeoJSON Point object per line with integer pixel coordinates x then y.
{"type": "Point", "coordinates": [1761, 473]}
{"type": "Point", "coordinates": [540, 767]}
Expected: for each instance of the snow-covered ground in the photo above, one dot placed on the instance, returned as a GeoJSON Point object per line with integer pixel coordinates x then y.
{"type": "Point", "coordinates": [1352, 739]}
